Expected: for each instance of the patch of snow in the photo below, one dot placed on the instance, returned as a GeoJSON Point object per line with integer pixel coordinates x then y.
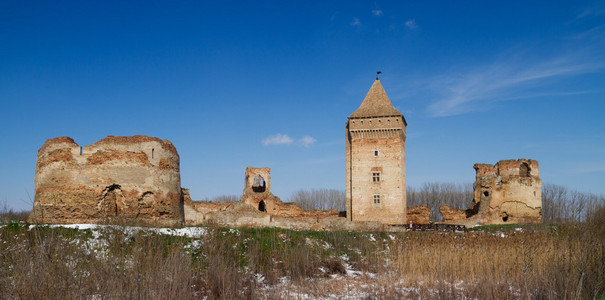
{"type": "Point", "coordinates": [190, 232]}
{"type": "Point", "coordinates": [327, 245]}
{"type": "Point", "coordinates": [259, 278]}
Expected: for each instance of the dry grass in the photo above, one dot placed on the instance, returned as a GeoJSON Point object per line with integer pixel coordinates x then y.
{"type": "Point", "coordinates": [534, 264]}
{"type": "Point", "coordinates": [539, 262]}
{"type": "Point", "coordinates": [8, 214]}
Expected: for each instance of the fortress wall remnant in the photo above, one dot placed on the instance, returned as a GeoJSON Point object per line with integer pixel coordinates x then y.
{"type": "Point", "coordinates": [257, 193]}
{"type": "Point", "coordinates": [131, 178]}
{"type": "Point", "coordinates": [419, 215]}
{"type": "Point", "coordinates": [257, 207]}
{"type": "Point", "coordinates": [508, 192]}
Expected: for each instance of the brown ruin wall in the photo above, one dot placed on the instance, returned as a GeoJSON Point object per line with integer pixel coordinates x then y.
{"type": "Point", "coordinates": [419, 214]}
{"type": "Point", "coordinates": [244, 215]}
{"type": "Point", "coordinates": [59, 155]}
{"type": "Point", "coordinates": [508, 192]}
{"type": "Point", "coordinates": [70, 185]}
{"type": "Point", "coordinates": [104, 156]}
{"type": "Point", "coordinates": [135, 139]}
{"type": "Point", "coordinates": [452, 214]}
{"type": "Point", "coordinates": [56, 141]}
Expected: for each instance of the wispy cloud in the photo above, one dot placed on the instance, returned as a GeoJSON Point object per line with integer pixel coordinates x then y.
{"type": "Point", "coordinates": [596, 9]}
{"type": "Point", "coordinates": [411, 24]}
{"type": "Point", "coordinates": [355, 22]}
{"type": "Point", "coordinates": [307, 141]}
{"type": "Point", "coordinates": [284, 139]}
{"type": "Point", "coordinates": [591, 169]}
{"type": "Point", "coordinates": [377, 12]}
{"type": "Point", "coordinates": [504, 79]}
{"type": "Point", "coordinates": [278, 139]}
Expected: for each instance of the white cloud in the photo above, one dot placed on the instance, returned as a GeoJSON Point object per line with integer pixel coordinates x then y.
{"type": "Point", "coordinates": [377, 12]}
{"type": "Point", "coordinates": [591, 169]}
{"type": "Point", "coordinates": [411, 24]}
{"type": "Point", "coordinates": [307, 141]}
{"type": "Point", "coordinates": [284, 139]}
{"type": "Point", "coordinates": [356, 22]}
{"type": "Point", "coordinates": [504, 80]}
{"type": "Point", "coordinates": [278, 139]}
{"type": "Point", "coordinates": [596, 9]}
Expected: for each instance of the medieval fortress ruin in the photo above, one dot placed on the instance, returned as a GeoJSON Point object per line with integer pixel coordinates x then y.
{"type": "Point", "coordinates": [137, 180]}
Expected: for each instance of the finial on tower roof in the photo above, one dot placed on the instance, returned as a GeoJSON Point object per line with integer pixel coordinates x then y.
{"type": "Point", "coordinates": [378, 73]}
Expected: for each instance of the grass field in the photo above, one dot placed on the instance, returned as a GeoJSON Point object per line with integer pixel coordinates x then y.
{"type": "Point", "coordinates": [119, 262]}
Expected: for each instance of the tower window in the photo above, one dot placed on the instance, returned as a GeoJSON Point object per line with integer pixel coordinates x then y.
{"type": "Point", "coordinates": [375, 152]}
{"type": "Point", "coordinates": [375, 176]}
{"type": "Point", "coordinates": [376, 199]}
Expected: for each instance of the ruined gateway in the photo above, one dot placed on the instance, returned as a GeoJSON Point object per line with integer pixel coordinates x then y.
{"type": "Point", "coordinates": [136, 179]}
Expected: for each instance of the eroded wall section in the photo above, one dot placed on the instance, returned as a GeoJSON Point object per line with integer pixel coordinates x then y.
{"type": "Point", "coordinates": [508, 192]}
{"type": "Point", "coordinates": [118, 178]}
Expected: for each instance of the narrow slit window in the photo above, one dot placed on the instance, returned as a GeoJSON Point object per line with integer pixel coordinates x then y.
{"type": "Point", "coordinates": [152, 150]}
{"type": "Point", "coordinates": [376, 153]}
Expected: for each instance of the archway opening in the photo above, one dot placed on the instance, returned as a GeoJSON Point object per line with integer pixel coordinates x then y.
{"type": "Point", "coordinates": [112, 201]}
{"type": "Point", "coordinates": [259, 185]}
{"type": "Point", "coordinates": [261, 206]}
{"type": "Point", "coordinates": [524, 170]}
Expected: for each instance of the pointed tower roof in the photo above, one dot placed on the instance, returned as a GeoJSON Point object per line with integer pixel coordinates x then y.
{"type": "Point", "coordinates": [375, 104]}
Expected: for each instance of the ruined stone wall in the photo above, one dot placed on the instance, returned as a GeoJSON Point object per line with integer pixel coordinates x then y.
{"type": "Point", "coordinates": [244, 215]}
{"type": "Point", "coordinates": [419, 215]}
{"type": "Point", "coordinates": [118, 178]}
{"type": "Point", "coordinates": [364, 137]}
{"type": "Point", "coordinates": [257, 207]}
{"type": "Point", "coordinates": [508, 192]}
{"type": "Point", "coordinates": [257, 193]}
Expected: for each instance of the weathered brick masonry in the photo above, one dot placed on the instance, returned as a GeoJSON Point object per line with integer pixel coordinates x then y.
{"type": "Point", "coordinates": [119, 178]}
{"type": "Point", "coordinates": [508, 192]}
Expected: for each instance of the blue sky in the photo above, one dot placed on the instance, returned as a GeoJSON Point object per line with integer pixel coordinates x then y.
{"type": "Point", "coordinates": [271, 83]}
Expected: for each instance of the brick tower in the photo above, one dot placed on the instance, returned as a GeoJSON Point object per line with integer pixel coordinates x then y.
{"type": "Point", "coordinates": [376, 160]}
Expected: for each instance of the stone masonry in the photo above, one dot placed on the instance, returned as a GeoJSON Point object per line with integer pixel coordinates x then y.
{"type": "Point", "coordinates": [119, 178]}
{"type": "Point", "coordinates": [259, 207]}
{"type": "Point", "coordinates": [508, 192]}
{"type": "Point", "coordinates": [375, 160]}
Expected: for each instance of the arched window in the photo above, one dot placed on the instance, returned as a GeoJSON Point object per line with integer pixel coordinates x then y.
{"type": "Point", "coordinates": [259, 184]}
{"type": "Point", "coordinates": [261, 206]}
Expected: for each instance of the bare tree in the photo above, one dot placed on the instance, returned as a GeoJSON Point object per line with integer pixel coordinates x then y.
{"type": "Point", "coordinates": [562, 205]}
{"type": "Point", "coordinates": [224, 198]}
{"type": "Point", "coordinates": [319, 199]}
{"type": "Point", "coordinates": [434, 194]}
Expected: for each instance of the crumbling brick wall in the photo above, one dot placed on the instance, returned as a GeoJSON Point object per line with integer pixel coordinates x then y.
{"type": "Point", "coordinates": [119, 178]}
{"type": "Point", "coordinates": [257, 207]}
{"type": "Point", "coordinates": [257, 193]}
{"type": "Point", "coordinates": [508, 192]}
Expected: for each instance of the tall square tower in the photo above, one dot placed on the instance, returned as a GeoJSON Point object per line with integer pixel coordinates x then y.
{"type": "Point", "coordinates": [375, 135]}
